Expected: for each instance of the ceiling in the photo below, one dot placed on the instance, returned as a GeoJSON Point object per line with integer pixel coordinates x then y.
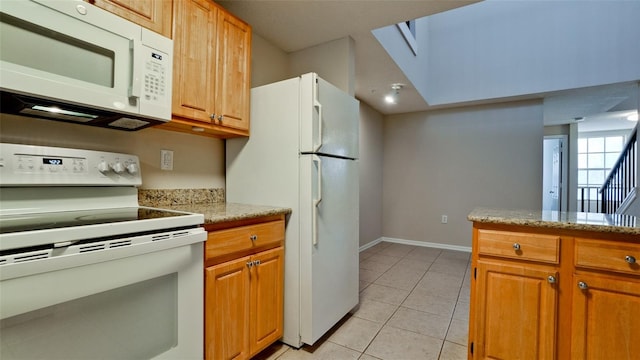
{"type": "Point", "coordinates": [598, 108]}
{"type": "Point", "coordinates": [294, 25]}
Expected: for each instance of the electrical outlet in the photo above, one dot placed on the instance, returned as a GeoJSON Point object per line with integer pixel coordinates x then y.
{"type": "Point", "coordinates": [166, 159]}
{"type": "Point", "coordinates": [444, 219]}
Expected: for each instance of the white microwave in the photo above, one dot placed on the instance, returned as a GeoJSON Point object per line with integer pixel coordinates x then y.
{"type": "Point", "coordinates": [72, 61]}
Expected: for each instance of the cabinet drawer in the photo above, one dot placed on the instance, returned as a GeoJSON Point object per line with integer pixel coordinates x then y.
{"type": "Point", "coordinates": [535, 247]}
{"type": "Point", "coordinates": [224, 242]}
{"type": "Point", "coordinates": [608, 255]}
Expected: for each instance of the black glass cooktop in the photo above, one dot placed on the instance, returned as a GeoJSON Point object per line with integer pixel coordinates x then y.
{"type": "Point", "coordinates": [54, 220]}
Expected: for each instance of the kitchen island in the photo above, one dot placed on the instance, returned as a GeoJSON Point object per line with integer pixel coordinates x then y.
{"type": "Point", "coordinates": [554, 285]}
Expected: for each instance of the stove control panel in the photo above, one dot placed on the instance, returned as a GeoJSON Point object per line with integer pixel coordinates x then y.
{"type": "Point", "coordinates": [23, 165]}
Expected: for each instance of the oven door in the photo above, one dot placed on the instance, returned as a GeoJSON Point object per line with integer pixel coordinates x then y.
{"type": "Point", "coordinates": [137, 301]}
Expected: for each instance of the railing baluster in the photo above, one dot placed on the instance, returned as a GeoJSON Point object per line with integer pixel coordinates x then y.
{"type": "Point", "coordinates": [622, 177]}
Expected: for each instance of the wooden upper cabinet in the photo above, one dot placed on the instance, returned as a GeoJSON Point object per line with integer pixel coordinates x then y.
{"type": "Point", "coordinates": [211, 71]}
{"type": "Point", "coordinates": [233, 75]}
{"type": "Point", "coordinates": [194, 65]}
{"type": "Point", "coordinates": [152, 14]}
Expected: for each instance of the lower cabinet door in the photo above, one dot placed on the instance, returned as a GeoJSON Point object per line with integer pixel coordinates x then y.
{"type": "Point", "coordinates": [227, 301]}
{"type": "Point", "coordinates": [267, 300]}
{"type": "Point", "coordinates": [516, 312]}
{"type": "Point", "coordinates": [605, 319]}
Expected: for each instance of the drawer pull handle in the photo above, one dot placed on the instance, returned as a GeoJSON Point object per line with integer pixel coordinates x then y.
{"type": "Point", "coordinates": [583, 285]}
{"type": "Point", "coordinates": [253, 237]}
{"type": "Point", "coordinates": [516, 246]}
{"type": "Point", "coordinates": [630, 259]}
{"type": "Point", "coordinates": [551, 279]}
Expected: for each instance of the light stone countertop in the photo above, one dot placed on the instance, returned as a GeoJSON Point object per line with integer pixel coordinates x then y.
{"type": "Point", "coordinates": [215, 213]}
{"type": "Point", "coordinates": [209, 202]}
{"type": "Point", "coordinates": [607, 223]}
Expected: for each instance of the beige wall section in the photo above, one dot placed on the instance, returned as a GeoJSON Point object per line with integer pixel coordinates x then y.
{"type": "Point", "coordinates": [198, 161]}
{"type": "Point", "coordinates": [370, 163]}
{"type": "Point", "coordinates": [333, 61]}
{"type": "Point", "coordinates": [268, 63]}
{"type": "Point", "coordinates": [450, 161]}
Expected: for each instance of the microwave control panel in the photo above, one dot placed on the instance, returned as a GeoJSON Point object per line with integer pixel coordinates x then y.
{"type": "Point", "coordinates": [156, 72]}
{"type": "Point", "coordinates": [43, 165]}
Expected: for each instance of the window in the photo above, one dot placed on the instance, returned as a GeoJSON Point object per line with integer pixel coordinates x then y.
{"type": "Point", "coordinates": [597, 154]}
{"type": "Point", "coordinates": [408, 31]}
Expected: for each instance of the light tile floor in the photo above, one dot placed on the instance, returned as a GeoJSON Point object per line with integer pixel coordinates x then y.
{"type": "Point", "coordinates": [414, 304]}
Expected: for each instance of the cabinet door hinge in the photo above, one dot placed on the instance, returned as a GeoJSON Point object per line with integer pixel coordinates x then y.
{"type": "Point", "coordinates": [471, 348]}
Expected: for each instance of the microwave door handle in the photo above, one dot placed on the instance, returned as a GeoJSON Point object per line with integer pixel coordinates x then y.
{"type": "Point", "coordinates": [136, 66]}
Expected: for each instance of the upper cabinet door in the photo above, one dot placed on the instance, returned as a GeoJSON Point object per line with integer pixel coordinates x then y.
{"type": "Point", "coordinates": [194, 68]}
{"type": "Point", "coordinates": [152, 14]}
{"type": "Point", "coordinates": [233, 73]}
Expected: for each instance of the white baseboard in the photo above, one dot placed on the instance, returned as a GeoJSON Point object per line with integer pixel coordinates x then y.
{"type": "Point", "coordinates": [428, 244]}
{"type": "Point", "coordinates": [371, 244]}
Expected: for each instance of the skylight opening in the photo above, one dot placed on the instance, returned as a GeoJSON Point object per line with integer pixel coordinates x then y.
{"type": "Point", "coordinates": [408, 31]}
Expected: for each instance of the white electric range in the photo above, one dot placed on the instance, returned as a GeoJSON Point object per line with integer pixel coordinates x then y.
{"type": "Point", "coordinates": [87, 273]}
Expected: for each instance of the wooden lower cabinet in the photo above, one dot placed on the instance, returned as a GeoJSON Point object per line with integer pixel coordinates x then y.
{"type": "Point", "coordinates": [516, 311]}
{"type": "Point", "coordinates": [226, 315]}
{"type": "Point", "coordinates": [556, 294]}
{"type": "Point", "coordinates": [267, 299]}
{"type": "Point", "coordinates": [606, 318]}
{"type": "Point", "coordinates": [244, 294]}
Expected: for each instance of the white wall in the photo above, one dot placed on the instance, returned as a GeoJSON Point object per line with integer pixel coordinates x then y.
{"type": "Point", "coordinates": [414, 66]}
{"type": "Point", "coordinates": [198, 161]}
{"type": "Point", "coordinates": [496, 49]}
{"type": "Point", "coordinates": [451, 161]}
{"type": "Point", "coordinates": [268, 63]}
{"type": "Point", "coordinates": [370, 164]}
{"type": "Point", "coordinates": [333, 61]}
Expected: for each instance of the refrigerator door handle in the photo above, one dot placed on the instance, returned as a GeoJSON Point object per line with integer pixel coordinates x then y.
{"type": "Point", "coordinates": [316, 202]}
{"type": "Point", "coordinates": [318, 106]}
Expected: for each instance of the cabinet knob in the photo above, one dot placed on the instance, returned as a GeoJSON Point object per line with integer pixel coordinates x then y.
{"type": "Point", "coordinates": [220, 117]}
{"type": "Point", "coordinates": [212, 117]}
{"type": "Point", "coordinates": [250, 264]}
{"type": "Point", "coordinates": [516, 246]}
{"type": "Point", "coordinates": [551, 279]}
{"type": "Point", "coordinates": [630, 259]}
{"type": "Point", "coordinates": [257, 262]}
{"type": "Point", "coordinates": [583, 285]}
{"type": "Point", "coordinates": [253, 237]}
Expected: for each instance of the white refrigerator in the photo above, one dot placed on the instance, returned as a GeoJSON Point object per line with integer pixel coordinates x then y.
{"type": "Point", "coordinates": [302, 154]}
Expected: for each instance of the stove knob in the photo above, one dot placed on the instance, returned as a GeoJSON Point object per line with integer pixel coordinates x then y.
{"type": "Point", "coordinates": [118, 168]}
{"type": "Point", "coordinates": [132, 168]}
{"type": "Point", "coordinates": [103, 167]}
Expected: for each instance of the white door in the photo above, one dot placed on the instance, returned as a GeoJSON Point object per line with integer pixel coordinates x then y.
{"type": "Point", "coordinates": [552, 173]}
{"type": "Point", "coordinates": [328, 243]}
{"type": "Point", "coordinates": [329, 121]}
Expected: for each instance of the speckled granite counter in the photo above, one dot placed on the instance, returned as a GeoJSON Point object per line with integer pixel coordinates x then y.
{"type": "Point", "coordinates": [559, 220]}
{"type": "Point", "coordinates": [209, 202]}
{"type": "Point", "coordinates": [215, 213]}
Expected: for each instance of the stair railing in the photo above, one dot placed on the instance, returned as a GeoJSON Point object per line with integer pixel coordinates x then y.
{"type": "Point", "coordinates": [622, 178]}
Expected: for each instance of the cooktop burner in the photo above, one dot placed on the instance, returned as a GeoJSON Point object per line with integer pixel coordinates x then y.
{"type": "Point", "coordinates": [54, 220]}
